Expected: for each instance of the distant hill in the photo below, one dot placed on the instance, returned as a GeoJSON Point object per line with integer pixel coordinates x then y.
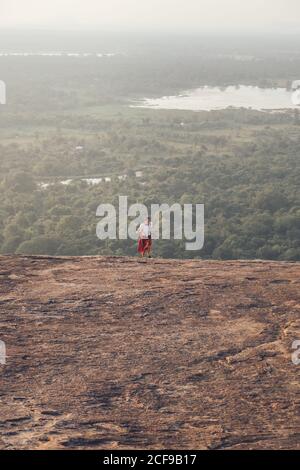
{"type": "Point", "coordinates": [123, 353]}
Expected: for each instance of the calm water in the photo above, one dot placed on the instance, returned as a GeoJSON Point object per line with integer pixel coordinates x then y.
{"type": "Point", "coordinates": [213, 98]}
{"type": "Point", "coordinates": [57, 54]}
{"type": "Point", "coordinates": [90, 181]}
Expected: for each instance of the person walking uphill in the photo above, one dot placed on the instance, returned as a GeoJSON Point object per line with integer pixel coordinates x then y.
{"type": "Point", "coordinates": [144, 238]}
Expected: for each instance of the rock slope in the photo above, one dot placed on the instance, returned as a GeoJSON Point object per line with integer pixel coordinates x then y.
{"type": "Point", "coordinates": [120, 353]}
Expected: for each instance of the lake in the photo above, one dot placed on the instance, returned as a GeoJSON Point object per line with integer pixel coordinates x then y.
{"type": "Point", "coordinates": [58, 54]}
{"type": "Point", "coordinates": [213, 98]}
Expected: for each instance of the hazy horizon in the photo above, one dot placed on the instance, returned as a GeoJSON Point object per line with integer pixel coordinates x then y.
{"type": "Point", "coordinates": [191, 16]}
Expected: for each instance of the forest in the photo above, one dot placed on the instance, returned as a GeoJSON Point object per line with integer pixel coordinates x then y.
{"type": "Point", "coordinates": [69, 120]}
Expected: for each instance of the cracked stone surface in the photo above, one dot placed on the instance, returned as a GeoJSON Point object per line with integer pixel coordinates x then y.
{"type": "Point", "coordinates": [121, 353]}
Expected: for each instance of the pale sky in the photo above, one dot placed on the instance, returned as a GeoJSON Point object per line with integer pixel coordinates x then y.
{"type": "Point", "coordinates": [154, 15]}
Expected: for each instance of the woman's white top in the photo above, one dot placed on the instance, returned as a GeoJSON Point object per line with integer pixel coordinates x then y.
{"type": "Point", "coordinates": [144, 230]}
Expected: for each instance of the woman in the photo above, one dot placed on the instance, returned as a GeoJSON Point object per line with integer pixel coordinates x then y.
{"type": "Point", "coordinates": [145, 240]}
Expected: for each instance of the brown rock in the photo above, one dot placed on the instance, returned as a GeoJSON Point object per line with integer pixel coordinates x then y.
{"type": "Point", "coordinates": [120, 353]}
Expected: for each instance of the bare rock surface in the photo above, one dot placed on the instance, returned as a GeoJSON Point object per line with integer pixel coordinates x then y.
{"type": "Point", "coordinates": [121, 353]}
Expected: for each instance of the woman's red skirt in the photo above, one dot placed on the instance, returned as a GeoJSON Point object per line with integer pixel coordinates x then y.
{"type": "Point", "coordinates": [144, 244]}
